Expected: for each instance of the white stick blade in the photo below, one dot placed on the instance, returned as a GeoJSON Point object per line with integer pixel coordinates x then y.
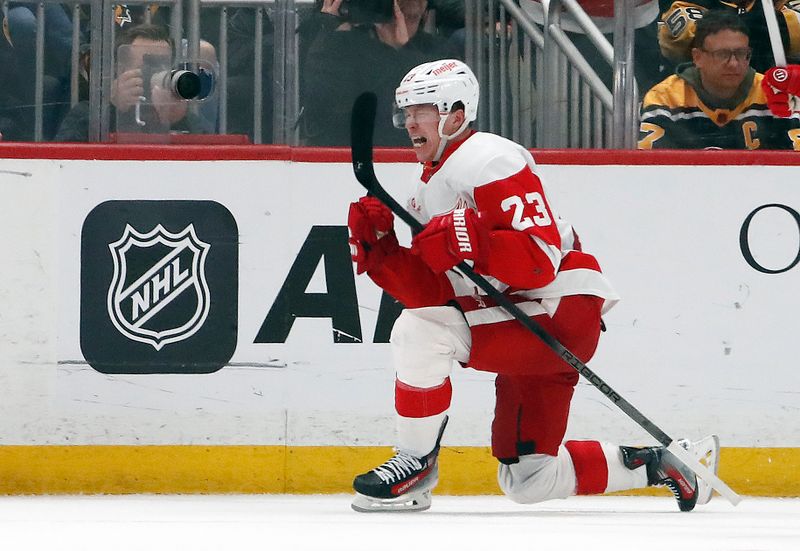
{"type": "Point", "coordinates": [703, 472]}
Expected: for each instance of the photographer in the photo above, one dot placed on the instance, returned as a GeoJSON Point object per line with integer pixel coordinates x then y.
{"type": "Point", "coordinates": [374, 45]}
{"type": "Point", "coordinates": [162, 111]}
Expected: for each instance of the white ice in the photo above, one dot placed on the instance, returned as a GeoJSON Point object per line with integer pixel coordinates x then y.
{"type": "Point", "coordinates": [326, 523]}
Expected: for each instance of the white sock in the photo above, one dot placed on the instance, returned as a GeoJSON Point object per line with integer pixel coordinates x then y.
{"type": "Point", "coordinates": [621, 477]}
{"type": "Point", "coordinates": [417, 435]}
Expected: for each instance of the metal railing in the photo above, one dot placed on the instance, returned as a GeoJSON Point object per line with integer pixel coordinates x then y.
{"type": "Point", "coordinates": [548, 94]}
{"type": "Point", "coordinates": [537, 87]}
{"type": "Point", "coordinates": [504, 52]}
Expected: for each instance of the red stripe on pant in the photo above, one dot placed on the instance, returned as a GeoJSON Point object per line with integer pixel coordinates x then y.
{"type": "Point", "coordinates": [591, 469]}
{"type": "Point", "coordinates": [411, 401]}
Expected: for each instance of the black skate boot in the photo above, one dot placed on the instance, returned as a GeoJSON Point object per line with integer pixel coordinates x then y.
{"type": "Point", "coordinates": [664, 469]}
{"type": "Point", "coordinates": [403, 483]}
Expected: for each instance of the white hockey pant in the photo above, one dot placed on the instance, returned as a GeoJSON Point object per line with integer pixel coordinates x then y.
{"type": "Point", "coordinates": [540, 477]}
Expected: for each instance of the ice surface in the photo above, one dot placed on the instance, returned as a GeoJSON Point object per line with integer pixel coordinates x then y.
{"type": "Point", "coordinates": [325, 523]}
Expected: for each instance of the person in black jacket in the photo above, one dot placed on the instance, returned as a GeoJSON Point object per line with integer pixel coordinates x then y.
{"type": "Point", "coordinates": [359, 57]}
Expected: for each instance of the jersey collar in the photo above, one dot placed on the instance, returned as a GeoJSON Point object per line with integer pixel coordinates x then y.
{"type": "Point", "coordinates": [429, 168]}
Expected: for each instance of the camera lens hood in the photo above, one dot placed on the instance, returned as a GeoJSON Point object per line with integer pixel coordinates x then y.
{"type": "Point", "coordinates": [185, 84]}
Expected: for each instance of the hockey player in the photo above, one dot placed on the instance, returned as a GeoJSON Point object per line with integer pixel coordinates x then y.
{"type": "Point", "coordinates": [483, 202]}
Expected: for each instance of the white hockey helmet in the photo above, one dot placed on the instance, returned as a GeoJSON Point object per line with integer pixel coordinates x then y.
{"type": "Point", "coordinates": [441, 83]}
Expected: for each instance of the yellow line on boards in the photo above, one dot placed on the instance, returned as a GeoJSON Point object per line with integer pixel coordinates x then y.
{"type": "Point", "coordinates": [304, 469]}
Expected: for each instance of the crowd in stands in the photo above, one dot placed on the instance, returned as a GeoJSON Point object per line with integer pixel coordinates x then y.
{"type": "Point", "coordinates": [716, 100]}
{"type": "Point", "coordinates": [716, 97]}
{"type": "Point", "coordinates": [699, 65]}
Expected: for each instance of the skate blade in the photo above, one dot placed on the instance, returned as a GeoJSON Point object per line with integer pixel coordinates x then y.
{"type": "Point", "coordinates": [420, 501]}
{"type": "Point", "coordinates": [706, 450]}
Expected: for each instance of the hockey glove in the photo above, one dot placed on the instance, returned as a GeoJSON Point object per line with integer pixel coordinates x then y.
{"type": "Point", "coordinates": [450, 238]}
{"type": "Point", "coordinates": [782, 87]}
{"type": "Point", "coordinates": [372, 236]}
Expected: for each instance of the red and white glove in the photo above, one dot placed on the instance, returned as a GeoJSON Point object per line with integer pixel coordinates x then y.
{"type": "Point", "coordinates": [372, 236]}
{"type": "Point", "coordinates": [450, 238]}
{"type": "Point", "coordinates": [782, 88]}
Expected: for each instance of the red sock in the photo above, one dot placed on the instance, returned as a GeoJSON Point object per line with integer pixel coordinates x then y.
{"type": "Point", "coordinates": [411, 401]}
{"type": "Point", "coordinates": [591, 469]}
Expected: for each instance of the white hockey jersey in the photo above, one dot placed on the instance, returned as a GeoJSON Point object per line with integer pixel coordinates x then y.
{"type": "Point", "coordinates": [534, 257]}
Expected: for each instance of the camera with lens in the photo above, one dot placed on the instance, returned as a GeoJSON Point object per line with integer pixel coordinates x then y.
{"type": "Point", "coordinates": [177, 94]}
{"type": "Point", "coordinates": [367, 11]}
{"type": "Point", "coordinates": [185, 81]}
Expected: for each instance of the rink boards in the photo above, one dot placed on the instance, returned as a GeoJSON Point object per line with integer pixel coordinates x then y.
{"type": "Point", "coordinates": [172, 324]}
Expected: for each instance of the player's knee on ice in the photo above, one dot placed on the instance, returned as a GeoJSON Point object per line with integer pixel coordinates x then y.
{"type": "Point", "coordinates": [538, 477]}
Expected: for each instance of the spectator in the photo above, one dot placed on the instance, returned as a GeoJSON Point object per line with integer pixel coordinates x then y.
{"type": "Point", "coordinates": [359, 57]}
{"type": "Point", "coordinates": [20, 27]}
{"type": "Point", "coordinates": [127, 16]}
{"type": "Point", "coordinates": [679, 21]}
{"type": "Point", "coordinates": [324, 18]}
{"type": "Point", "coordinates": [450, 19]}
{"type": "Point", "coordinates": [162, 114]}
{"type": "Point", "coordinates": [450, 15]}
{"type": "Point", "coordinates": [716, 102]}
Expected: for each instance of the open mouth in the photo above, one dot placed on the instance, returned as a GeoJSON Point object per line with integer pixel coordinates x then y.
{"type": "Point", "coordinates": [419, 141]}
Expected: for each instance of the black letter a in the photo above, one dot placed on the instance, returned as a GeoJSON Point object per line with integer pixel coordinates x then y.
{"type": "Point", "coordinates": [339, 303]}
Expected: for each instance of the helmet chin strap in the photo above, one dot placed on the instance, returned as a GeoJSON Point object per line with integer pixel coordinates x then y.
{"type": "Point", "coordinates": [445, 138]}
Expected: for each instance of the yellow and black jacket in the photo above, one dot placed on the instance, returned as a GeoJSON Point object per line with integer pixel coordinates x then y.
{"type": "Point", "coordinates": [678, 20]}
{"type": "Point", "coordinates": [678, 113]}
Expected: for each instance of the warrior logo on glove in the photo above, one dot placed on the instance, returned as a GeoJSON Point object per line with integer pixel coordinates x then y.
{"type": "Point", "coordinates": [462, 235]}
{"type": "Point", "coordinates": [451, 238]}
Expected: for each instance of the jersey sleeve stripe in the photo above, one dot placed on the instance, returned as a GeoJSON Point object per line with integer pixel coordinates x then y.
{"type": "Point", "coordinates": [497, 314]}
{"type": "Point", "coordinates": [580, 281]}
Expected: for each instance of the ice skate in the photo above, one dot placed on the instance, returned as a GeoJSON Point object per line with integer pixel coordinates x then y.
{"type": "Point", "coordinates": [403, 483]}
{"type": "Point", "coordinates": [706, 450]}
{"type": "Point", "coordinates": [664, 469]}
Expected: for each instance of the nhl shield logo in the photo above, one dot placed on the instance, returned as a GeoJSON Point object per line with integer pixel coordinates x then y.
{"type": "Point", "coordinates": [158, 293]}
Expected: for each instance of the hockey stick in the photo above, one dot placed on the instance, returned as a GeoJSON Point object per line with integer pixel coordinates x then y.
{"type": "Point", "coordinates": [774, 33]}
{"type": "Point", "coordinates": [362, 124]}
